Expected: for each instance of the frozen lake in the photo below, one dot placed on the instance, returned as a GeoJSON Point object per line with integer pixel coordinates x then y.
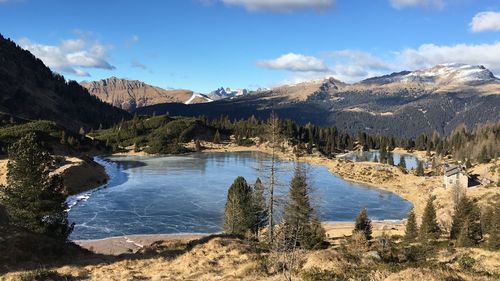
{"type": "Point", "coordinates": [186, 194]}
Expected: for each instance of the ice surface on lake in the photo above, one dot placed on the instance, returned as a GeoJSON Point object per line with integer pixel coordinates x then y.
{"type": "Point", "coordinates": [186, 194]}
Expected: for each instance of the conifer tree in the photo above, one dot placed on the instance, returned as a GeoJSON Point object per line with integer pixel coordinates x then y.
{"type": "Point", "coordinates": [315, 235]}
{"type": "Point", "coordinates": [466, 226]}
{"type": "Point", "coordinates": [239, 217]}
{"type": "Point", "coordinates": [217, 137]}
{"type": "Point", "coordinates": [383, 154]}
{"type": "Point", "coordinates": [363, 224]}
{"type": "Point", "coordinates": [411, 231]}
{"type": "Point", "coordinates": [259, 205]}
{"type": "Point", "coordinates": [32, 199]}
{"type": "Point", "coordinates": [298, 210]}
{"type": "Point", "coordinates": [463, 208]}
{"type": "Point", "coordinates": [429, 228]}
{"type": "Point", "coordinates": [402, 162]}
{"type": "Point", "coordinates": [390, 159]}
{"type": "Point", "coordinates": [420, 168]}
{"type": "Point", "coordinates": [483, 156]}
{"type": "Point", "coordinates": [494, 231]}
{"type": "Point", "coordinates": [300, 223]}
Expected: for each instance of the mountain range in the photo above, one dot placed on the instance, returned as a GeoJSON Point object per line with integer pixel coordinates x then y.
{"type": "Point", "coordinates": [404, 104]}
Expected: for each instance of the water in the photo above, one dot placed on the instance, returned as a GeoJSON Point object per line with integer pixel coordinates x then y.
{"type": "Point", "coordinates": [186, 194]}
{"type": "Point", "coordinates": [359, 156]}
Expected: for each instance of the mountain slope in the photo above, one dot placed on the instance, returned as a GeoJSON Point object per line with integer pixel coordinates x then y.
{"type": "Point", "coordinates": [132, 94]}
{"type": "Point", "coordinates": [30, 90]}
{"type": "Point", "coordinates": [390, 105]}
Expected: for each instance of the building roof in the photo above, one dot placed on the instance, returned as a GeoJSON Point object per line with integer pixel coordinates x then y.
{"type": "Point", "coordinates": [453, 170]}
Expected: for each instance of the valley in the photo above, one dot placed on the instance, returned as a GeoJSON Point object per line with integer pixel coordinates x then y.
{"type": "Point", "coordinates": [242, 140]}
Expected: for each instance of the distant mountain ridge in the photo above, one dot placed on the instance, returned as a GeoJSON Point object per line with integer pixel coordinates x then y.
{"type": "Point", "coordinates": [30, 90]}
{"type": "Point", "coordinates": [403, 104]}
{"type": "Point", "coordinates": [227, 93]}
{"type": "Point", "coordinates": [132, 94]}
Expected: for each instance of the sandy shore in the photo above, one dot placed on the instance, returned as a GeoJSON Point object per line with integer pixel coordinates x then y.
{"type": "Point", "coordinates": [132, 243]}
{"type": "Point", "coordinates": [78, 174]}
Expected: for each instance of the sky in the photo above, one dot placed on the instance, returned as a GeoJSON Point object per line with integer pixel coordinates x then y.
{"type": "Point", "coordinates": [206, 44]}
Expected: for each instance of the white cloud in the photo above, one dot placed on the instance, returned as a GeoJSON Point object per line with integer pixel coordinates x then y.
{"type": "Point", "coordinates": [71, 56]}
{"type": "Point", "coordinates": [428, 55]}
{"type": "Point", "coordinates": [353, 65]}
{"type": "Point", "coordinates": [485, 21]}
{"type": "Point", "coordinates": [296, 63]}
{"type": "Point", "coordinates": [399, 4]}
{"type": "Point", "coordinates": [282, 5]}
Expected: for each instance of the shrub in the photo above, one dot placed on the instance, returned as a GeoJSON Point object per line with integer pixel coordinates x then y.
{"type": "Point", "coordinates": [320, 275]}
{"type": "Point", "coordinates": [43, 275]}
{"type": "Point", "coordinates": [466, 262]}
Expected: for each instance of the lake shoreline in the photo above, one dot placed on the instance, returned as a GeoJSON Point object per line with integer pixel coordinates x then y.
{"type": "Point", "coordinates": [414, 189]}
{"type": "Point", "coordinates": [118, 245]}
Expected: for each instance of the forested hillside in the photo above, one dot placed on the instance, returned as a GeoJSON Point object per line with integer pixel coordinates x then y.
{"type": "Point", "coordinates": [30, 90]}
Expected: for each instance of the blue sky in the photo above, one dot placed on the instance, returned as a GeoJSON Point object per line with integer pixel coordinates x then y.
{"type": "Point", "coordinates": [204, 44]}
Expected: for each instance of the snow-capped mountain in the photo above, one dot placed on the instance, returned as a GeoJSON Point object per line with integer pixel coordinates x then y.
{"type": "Point", "coordinates": [222, 93]}
{"type": "Point", "coordinates": [442, 74]}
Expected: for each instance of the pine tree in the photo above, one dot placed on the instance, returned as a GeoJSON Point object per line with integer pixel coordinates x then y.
{"type": "Point", "coordinates": [259, 205]}
{"type": "Point", "coordinates": [483, 156]}
{"type": "Point", "coordinates": [298, 211]}
{"type": "Point", "coordinates": [299, 220]}
{"type": "Point", "coordinates": [217, 137]}
{"type": "Point", "coordinates": [239, 217]}
{"type": "Point", "coordinates": [402, 162]}
{"type": "Point", "coordinates": [463, 207]}
{"type": "Point", "coordinates": [420, 168]}
{"type": "Point", "coordinates": [429, 228]}
{"type": "Point", "coordinates": [466, 226]}
{"type": "Point", "coordinates": [390, 159]}
{"type": "Point", "coordinates": [34, 200]}
{"type": "Point", "coordinates": [411, 231]}
{"type": "Point", "coordinates": [383, 154]}
{"type": "Point", "coordinates": [463, 239]}
{"type": "Point", "coordinates": [315, 235]}
{"type": "Point", "coordinates": [4, 217]}
{"type": "Point", "coordinates": [363, 224]}
{"type": "Point", "coordinates": [494, 231]}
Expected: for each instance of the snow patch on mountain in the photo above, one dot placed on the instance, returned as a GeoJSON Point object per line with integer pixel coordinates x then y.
{"type": "Point", "coordinates": [196, 96]}
{"type": "Point", "coordinates": [226, 93]}
{"type": "Point", "coordinates": [451, 72]}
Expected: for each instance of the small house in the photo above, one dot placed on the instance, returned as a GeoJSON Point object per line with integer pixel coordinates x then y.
{"type": "Point", "coordinates": [455, 176]}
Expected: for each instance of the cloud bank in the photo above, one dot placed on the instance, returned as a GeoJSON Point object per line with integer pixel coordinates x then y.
{"type": "Point", "coordinates": [71, 56]}
{"type": "Point", "coordinates": [281, 5]}
{"type": "Point", "coordinates": [400, 4]}
{"type": "Point", "coordinates": [354, 65]}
